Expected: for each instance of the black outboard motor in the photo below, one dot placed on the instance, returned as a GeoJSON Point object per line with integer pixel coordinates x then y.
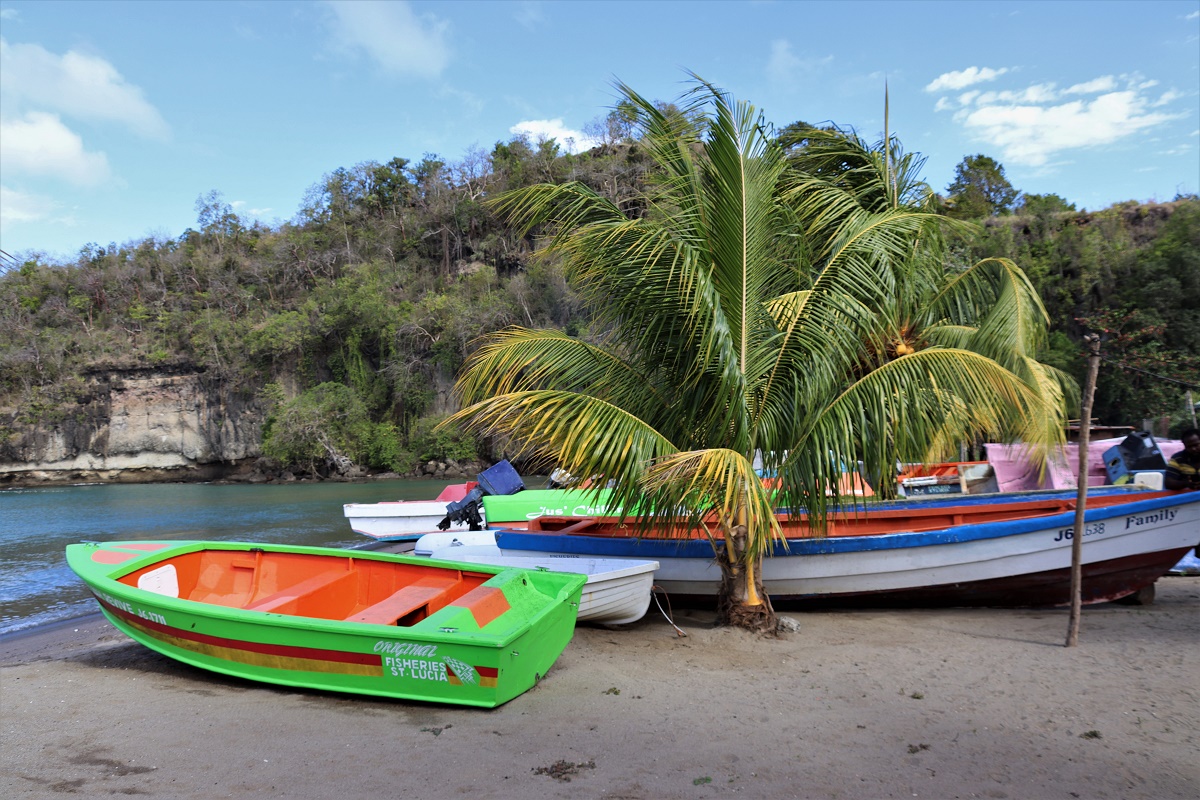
{"type": "Point", "coordinates": [499, 479]}
{"type": "Point", "coordinates": [465, 510]}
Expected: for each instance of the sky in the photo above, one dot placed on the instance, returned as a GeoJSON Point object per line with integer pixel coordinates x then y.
{"type": "Point", "coordinates": [115, 117]}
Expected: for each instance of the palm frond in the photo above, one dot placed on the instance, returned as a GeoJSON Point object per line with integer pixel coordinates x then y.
{"type": "Point", "coordinates": [717, 480]}
{"type": "Point", "coordinates": [584, 435]}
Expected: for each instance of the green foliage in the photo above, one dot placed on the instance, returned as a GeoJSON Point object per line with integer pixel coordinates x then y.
{"type": "Point", "coordinates": [1131, 272]}
{"type": "Point", "coordinates": [394, 270]}
{"type": "Point", "coordinates": [383, 449]}
{"type": "Point", "coordinates": [327, 428]}
{"type": "Point", "coordinates": [1134, 348]}
{"type": "Point", "coordinates": [431, 441]}
{"type": "Point", "coordinates": [279, 335]}
{"type": "Point", "coordinates": [979, 188]}
{"type": "Point", "coordinates": [1042, 205]}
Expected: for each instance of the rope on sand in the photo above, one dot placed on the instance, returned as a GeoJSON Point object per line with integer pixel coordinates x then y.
{"type": "Point", "coordinates": [654, 590]}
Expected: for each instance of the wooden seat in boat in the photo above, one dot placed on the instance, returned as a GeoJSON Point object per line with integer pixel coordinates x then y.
{"type": "Point", "coordinates": [412, 598]}
{"type": "Point", "coordinates": [308, 586]}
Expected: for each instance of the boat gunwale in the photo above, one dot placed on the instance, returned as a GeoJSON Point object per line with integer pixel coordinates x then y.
{"type": "Point", "coordinates": [972, 531]}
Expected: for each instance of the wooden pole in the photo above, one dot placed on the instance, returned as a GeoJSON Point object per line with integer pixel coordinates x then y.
{"type": "Point", "coordinates": [1085, 434]}
{"type": "Point", "coordinates": [1191, 407]}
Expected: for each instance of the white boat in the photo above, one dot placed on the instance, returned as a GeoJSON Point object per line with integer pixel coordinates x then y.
{"type": "Point", "coordinates": [458, 506]}
{"type": "Point", "coordinates": [617, 590]}
{"type": "Point", "coordinates": [407, 520]}
{"type": "Point", "coordinates": [401, 519]}
{"type": "Point", "coordinates": [1018, 562]}
{"type": "Point", "coordinates": [429, 543]}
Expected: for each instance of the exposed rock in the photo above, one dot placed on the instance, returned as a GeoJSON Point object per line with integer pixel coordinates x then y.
{"type": "Point", "coordinates": [136, 426]}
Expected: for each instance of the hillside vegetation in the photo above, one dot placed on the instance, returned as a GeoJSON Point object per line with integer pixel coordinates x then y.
{"type": "Point", "coordinates": [348, 324]}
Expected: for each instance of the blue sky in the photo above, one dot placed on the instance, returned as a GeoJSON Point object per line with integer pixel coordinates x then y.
{"type": "Point", "coordinates": [115, 117]}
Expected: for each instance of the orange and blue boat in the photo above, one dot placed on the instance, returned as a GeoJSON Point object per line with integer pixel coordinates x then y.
{"type": "Point", "coordinates": [330, 619]}
{"type": "Point", "coordinates": [997, 550]}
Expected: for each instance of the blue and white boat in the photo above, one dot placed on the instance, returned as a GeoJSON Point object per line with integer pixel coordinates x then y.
{"type": "Point", "coordinates": [1128, 545]}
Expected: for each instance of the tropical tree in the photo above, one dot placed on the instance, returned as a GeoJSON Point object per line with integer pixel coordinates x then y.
{"type": "Point", "coordinates": [990, 307]}
{"type": "Point", "coordinates": [980, 189]}
{"type": "Point", "coordinates": [749, 310]}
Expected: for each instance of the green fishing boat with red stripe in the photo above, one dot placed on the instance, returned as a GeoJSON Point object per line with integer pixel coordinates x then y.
{"type": "Point", "coordinates": [346, 621]}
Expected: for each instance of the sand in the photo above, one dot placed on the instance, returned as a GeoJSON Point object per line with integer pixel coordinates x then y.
{"type": "Point", "coordinates": [864, 704]}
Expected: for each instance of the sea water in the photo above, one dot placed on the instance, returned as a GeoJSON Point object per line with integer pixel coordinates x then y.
{"type": "Point", "coordinates": [36, 525]}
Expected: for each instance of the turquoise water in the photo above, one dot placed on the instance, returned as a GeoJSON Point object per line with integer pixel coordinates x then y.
{"type": "Point", "coordinates": [37, 587]}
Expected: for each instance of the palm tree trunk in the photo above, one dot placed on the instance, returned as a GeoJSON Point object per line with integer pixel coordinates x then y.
{"type": "Point", "coordinates": [742, 602]}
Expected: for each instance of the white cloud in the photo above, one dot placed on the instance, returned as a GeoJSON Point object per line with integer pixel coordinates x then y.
{"type": "Point", "coordinates": [1168, 96]}
{"type": "Point", "coordinates": [783, 65]}
{"type": "Point", "coordinates": [530, 14]}
{"type": "Point", "coordinates": [400, 41]}
{"type": "Point", "coordinates": [541, 129]}
{"type": "Point", "coordinates": [17, 207]}
{"type": "Point", "coordinates": [40, 144]}
{"type": "Point", "coordinates": [76, 85]}
{"type": "Point", "coordinates": [1036, 125]}
{"type": "Point", "coordinates": [1031, 134]}
{"type": "Point", "coordinates": [9, 13]}
{"type": "Point", "coordinates": [1104, 84]}
{"type": "Point", "coordinates": [1038, 93]}
{"type": "Point", "coordinates": [963, 78]}
{"type": "Point", "coordinates": [240, 207]}
{"type": "Point", "coordinates": [1193, 15]}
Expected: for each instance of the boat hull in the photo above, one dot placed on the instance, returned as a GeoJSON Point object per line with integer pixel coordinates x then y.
{"type": "Point", "coordinates": [448, 656]}
{"type": "Point", "coordinates": [405, 519]}
{"type": "Point", "coordinates": [1024, 562]}
{"type": "Point", "coordinates": [617, 591]}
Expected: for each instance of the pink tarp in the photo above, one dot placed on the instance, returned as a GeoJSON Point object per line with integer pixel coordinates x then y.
{"type": "Point", "coordinates": [1015, 473]}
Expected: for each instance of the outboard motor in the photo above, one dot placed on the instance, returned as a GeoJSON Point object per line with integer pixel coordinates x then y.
{"type": "Point", "coordinates": [499, 479]}
{"type": "Point", "coordinates": [465, 510]}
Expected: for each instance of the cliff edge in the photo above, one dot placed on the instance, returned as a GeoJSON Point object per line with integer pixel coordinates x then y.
{"type": "Point", "coordinates": [133, 426]}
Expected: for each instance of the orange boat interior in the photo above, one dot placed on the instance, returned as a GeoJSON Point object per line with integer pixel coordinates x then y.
{"type": "Point", "coordinates": [326, 587]}
{"type": "Point", "coordinates": [876, 521]}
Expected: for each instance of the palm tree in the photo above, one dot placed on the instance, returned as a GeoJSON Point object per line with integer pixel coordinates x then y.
{"type": "Point", "coordinates": [739, 315]}
{"type": "Point", "coordinates": [991, 308]}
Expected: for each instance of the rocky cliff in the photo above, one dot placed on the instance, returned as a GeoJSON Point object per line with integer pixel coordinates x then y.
{"type": "Point", "coordinates": [133, 426]}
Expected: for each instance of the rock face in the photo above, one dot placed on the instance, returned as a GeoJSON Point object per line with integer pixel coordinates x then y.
{"type": "Point", "coordinates": [135, 426]}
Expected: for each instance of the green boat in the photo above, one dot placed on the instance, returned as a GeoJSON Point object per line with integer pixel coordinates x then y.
{"type": "Point", "coordinates": [337, 620]}
{"type": "Point", "coordinates": [515, 510]}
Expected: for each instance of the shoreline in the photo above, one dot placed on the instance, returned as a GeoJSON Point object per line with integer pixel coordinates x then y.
{"type": "Point", "coordinates": [56, 640]}
{"type": "Point", "coordinates": [944, 703]}
{"type": "Point", "coordinates": [219, 474]}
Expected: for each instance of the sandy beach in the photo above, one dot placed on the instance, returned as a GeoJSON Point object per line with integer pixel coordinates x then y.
{"type": "Point", "coordinates": [865, 704]}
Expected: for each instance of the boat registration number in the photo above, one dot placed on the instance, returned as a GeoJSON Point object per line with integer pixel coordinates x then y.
{"type": "Point", "coordinates": [1067, 534]}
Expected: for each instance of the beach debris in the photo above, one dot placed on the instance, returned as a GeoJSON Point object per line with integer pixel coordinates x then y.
{"type": "Point", "coordinates": [916, 748]}
{"type": "Point", "coordinates": [1092, 734]}
{"type": "Point", "coordinates": [787, 625]}
{"type": "Point", "coordinates": [436, 731]}
{"type": "Point", "coordinates": [611, 690]}
{"type": "Point", "coordinates": [562, 770]}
